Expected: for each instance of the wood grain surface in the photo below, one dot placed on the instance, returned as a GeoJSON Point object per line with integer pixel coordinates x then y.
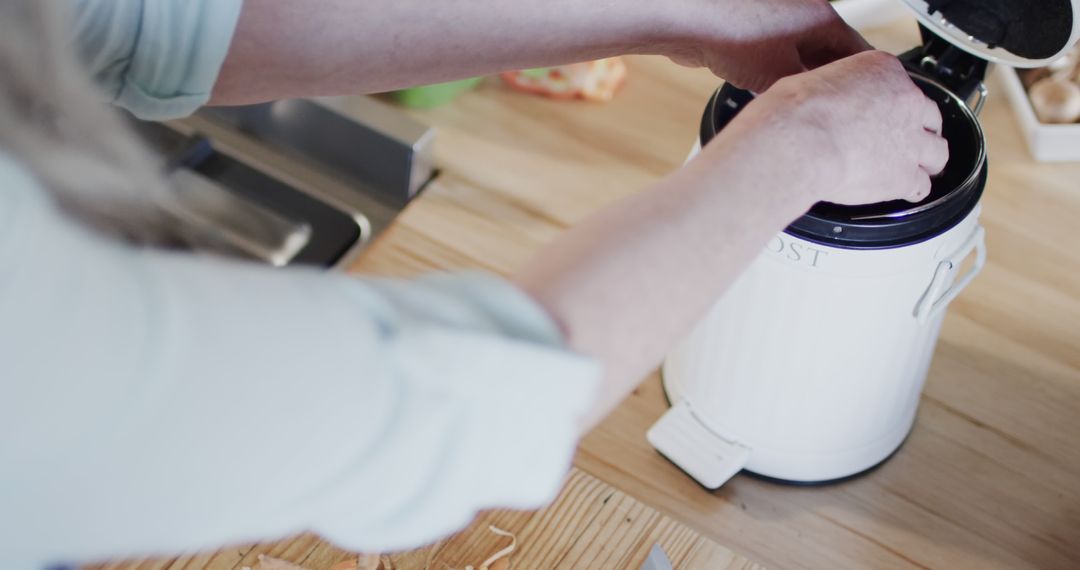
{"type": "Point", "coordinates": [990, 476]}
{"type": "Point", "coordinates": [590, 525]}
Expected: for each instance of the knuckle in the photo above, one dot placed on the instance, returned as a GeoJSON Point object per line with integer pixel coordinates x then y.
{"type": "Point", "coordinates": [943, 150]}
{"type": "Point", "coordinates": [922, 182]}
{"type": "Point", "coordinates": [914, 102]}
{"type": "Point", "coordinates": [884, 59]}
{"type": "Point", "coordinates": [935, 112]}
{"type": "Point", "coordinates": [912, 92]}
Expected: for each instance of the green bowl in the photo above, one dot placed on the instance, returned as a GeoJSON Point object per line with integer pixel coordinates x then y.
{"type": "Point", "coordinates": [428, 96]}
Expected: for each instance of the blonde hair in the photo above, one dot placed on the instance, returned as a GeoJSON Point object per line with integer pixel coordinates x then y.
{"type": "Point", "coordinates": [53, 121]}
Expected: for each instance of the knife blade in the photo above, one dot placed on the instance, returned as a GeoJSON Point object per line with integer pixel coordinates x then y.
{"type": "Point", "coordinates": [657, 559]}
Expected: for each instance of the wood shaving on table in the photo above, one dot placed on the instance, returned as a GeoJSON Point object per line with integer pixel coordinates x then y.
{"type": "Point", "coordinates": [269, 563]}
{"type": "Point", "coordinates": [502, 554]}
{"type": "Point", "coordinates": [500, 560]}
{"type": "Point", "coordinates": [362, 562]}
{"type": "Point", "coordinates": [431, 554]}
{"type": "Point", "coordinates": [368, 562]}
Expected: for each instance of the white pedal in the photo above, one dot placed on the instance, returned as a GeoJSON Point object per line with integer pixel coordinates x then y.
{"type": "Point", "coordinates": [688, 443]}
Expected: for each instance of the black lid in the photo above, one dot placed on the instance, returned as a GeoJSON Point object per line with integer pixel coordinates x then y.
{"type": "Point", "coordinates": [954, 193]}
{"type": "Point", "coordinates": [1021, 33]}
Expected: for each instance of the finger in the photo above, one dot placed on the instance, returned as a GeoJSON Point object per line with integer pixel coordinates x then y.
{"type": "Point", "coordinates": [934, 154]}
{"type": "Point", "coordinates": [922, 186]}
{"type": "Point", "coordinates": [931, 116]}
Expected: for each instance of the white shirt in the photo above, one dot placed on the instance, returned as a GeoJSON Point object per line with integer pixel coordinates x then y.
{"type": "Point", "coordinates": [155, 402]}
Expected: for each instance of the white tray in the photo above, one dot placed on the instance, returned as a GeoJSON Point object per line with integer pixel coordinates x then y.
{"type": "Point", "coordinates": [1046, 142]}
{"type": "Point", "coordinates": [870, 13]}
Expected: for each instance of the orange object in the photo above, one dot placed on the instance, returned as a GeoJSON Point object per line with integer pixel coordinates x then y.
{"type": "Point", "coordinates": [596, 80]}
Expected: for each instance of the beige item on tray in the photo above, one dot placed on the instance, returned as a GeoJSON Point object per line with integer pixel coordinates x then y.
{"type": "Point", "coordinates": [1056, 100]}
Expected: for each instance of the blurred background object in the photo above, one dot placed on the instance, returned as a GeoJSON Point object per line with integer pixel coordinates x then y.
{"type": "Point", "coordinates": [430, 96]}
{"type": "Point", "coordinates": [1046, 101]}
{"type": "Point", "coordinates": [596, 80]}
{"type": "Point", "coordinates": [870, 13]}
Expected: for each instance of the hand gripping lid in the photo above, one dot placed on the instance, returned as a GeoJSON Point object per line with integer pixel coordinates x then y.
{"type": "Point", "coordinates": [1018, 33]}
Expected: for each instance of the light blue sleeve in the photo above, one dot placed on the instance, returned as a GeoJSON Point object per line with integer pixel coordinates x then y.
{"type": "Point", "coordinates": [156, 402]}
{"type": "Point", "coordinates": [157, 58]}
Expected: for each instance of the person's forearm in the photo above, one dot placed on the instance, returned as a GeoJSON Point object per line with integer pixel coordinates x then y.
{"type": "Point", "coordinates": [292, 48]}
{"type": "Point", "coordinates": [626, 284]}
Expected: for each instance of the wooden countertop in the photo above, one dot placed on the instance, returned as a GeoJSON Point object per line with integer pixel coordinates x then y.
{"type": "Point", "coordinates": [990, 476]}
{"type": "Point", "coordinates": [589, 525]}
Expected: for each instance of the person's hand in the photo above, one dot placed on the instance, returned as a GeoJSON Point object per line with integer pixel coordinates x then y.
{"type": "Point", "coordinates": [754, 43]}
{"type": "Point", "coordinates": [855, 131]}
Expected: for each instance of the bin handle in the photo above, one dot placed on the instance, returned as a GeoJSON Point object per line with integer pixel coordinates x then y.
{"type": "Point", "coordinates": [934, 301]}
{"type": "Point", "coordinates": [982, 92]}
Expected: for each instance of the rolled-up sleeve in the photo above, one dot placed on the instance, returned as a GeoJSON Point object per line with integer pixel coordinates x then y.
{"type": "Point", "coordinates": [153, 402]}
{"type": "Point", "coordinates": [157, 58]}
